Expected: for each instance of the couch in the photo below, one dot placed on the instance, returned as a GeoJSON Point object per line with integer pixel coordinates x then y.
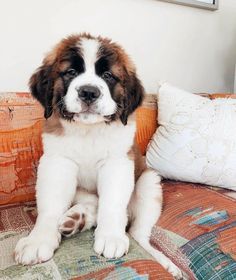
{"type": "Point", "coordinates": [196, 229]}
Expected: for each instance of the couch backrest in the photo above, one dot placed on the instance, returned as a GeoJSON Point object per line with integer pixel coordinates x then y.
{"type": "Point", "coordinates": [21, 119]}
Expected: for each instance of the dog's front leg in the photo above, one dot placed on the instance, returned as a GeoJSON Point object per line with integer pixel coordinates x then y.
{"type": "Point", "coordinates": [115, 186]}
{"type": "Point", "coordinates": [55, 188]}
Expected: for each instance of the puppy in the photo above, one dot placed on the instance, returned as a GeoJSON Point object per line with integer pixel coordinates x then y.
{"type": "Point", "coordinates": [91, 173]}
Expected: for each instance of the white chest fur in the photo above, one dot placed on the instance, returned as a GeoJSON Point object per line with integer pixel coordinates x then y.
{"type": "Point", "coordinates": [90, 146]}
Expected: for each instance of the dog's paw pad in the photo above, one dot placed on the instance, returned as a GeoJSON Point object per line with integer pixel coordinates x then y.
{"type": "Point", "coordinates": [71, 223]}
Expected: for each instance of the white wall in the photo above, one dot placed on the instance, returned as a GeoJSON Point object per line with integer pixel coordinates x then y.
{"type": "Point", "coordinates": [191, 48]}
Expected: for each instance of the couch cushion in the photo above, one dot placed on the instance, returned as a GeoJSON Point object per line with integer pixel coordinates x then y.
{"type": "Point", "coordinates": [197, 229]}
{"type": "Point", "coordinates": [75, 258]}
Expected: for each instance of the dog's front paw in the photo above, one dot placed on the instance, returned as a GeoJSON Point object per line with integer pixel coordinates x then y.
{"type": "Point", "coordinates": [111, 246]}
{"type": "Point", "coordinates": [35, 248]}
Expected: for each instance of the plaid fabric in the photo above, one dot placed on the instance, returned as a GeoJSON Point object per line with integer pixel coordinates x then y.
{"type": "Point", "coordinates": [201, 223]}
{"type": "Point", "coordinates": [196, 230]}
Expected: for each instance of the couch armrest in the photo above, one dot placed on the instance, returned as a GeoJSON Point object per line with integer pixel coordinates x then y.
{"type": "Point", "coordinates": [20, 146]}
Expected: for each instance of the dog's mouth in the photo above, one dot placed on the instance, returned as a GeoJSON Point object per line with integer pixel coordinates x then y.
{"type": "Point", "coordinates": [71, 115]}
{"type": "Point", "coordinates": [86, 113]}
{"type": "Point", "coordinates": [88, 110]}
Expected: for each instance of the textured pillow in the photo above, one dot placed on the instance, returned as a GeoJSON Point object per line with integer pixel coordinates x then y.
{"type": "Point", "coordinates": [196, 139]}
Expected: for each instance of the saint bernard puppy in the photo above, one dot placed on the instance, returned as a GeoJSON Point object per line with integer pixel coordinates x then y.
{"type": "Point", "coordinates": [91, 174]}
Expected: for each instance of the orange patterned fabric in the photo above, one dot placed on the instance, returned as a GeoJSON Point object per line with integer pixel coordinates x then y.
{"type": "Point", "coordinates": [146, 126]}
{"type": "Point", "coordinates": [201, 223]}
{"type": "Point", "coordinates": [21, 119]}
{"type": "Point", "coordinates": [190, 224]}
{"type": "Point", "coordinates": [144, 269]}
{"type": "Point", "coordinates": [20, 146]}
{"type": "Point", "coordinates": [227, 243]}
{"type": "Point", "coordinates": [222, 95]}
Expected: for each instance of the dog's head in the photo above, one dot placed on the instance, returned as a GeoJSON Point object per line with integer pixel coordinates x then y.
{"type": "Point", "coordinates": [87, 79]}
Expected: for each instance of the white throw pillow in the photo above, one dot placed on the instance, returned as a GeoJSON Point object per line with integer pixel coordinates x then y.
{"type": "Point", "coordinates": [196, 139]}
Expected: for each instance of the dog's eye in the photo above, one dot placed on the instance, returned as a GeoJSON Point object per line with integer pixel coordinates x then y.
{"type": "Point", "coordinates": [71, 72]}
{"type": "Point", "coordinates": [108, 76]}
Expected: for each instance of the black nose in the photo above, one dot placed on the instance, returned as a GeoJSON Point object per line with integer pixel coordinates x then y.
{"type": "Point", "coordinates": [88, 94]}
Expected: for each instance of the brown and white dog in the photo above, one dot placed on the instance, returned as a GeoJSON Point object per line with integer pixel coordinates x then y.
{"type": "Point", "coordinates": [86, 176]}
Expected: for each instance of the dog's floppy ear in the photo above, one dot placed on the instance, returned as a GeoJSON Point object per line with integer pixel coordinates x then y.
{"type": "Point", "coordinates": [134, 94]}
{"type": "Point", "coordinates": [41, 87]}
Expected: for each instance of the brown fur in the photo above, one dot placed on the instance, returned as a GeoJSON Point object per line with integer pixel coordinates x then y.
{"type": "Point", "coordinates": [120, 56]}
{"type": "Point", "coordinates": [75, 216]}
{"type": "Point", "coordinates": [69, 224]}
{"type": "Point", "coordinates": [139, 162]}
{"type": "Point", "coordinates": [53, 125]}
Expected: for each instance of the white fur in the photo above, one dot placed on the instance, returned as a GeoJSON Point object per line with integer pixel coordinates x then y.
{"type": "Point", "coordinates": [55, 175]}
{"type": "Point", "coordinates": [105, 105]}
{"type": "Point", "coordinates": [145, 210]}
{"type": "Point", "coordinates": [89, 49]}
{"type": "Point", "coordinates": [90, 156]}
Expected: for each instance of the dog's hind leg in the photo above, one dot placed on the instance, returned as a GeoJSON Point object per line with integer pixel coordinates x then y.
{"type": "Point", "coordinates": [81, 216]}
{"type": "Point", "coordinates": [144, 210]}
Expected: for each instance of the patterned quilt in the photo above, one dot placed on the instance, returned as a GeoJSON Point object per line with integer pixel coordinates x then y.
{"type": "Point", "coordinates": [75, 259]}
{"type": "Point", "coordinates": [196, 230]}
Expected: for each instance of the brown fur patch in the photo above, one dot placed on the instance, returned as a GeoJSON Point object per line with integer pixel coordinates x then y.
{"type": "Point", "coordinates": [69, 224]}
{"type": "Point", "coordinates": [63, 66]}
{"type": "Point", "coordinates": [57, 53]}
{"type": "Point", "coordinates": [53, 125]}
{"type": "Point", "coordinates": [75, 216]}
{"type": "Point", "coordinates": [119, 55]}
{"type": "Point", "coordinates": [139, 162]}
{"type": "Point", "coordinates": [118, 70]}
